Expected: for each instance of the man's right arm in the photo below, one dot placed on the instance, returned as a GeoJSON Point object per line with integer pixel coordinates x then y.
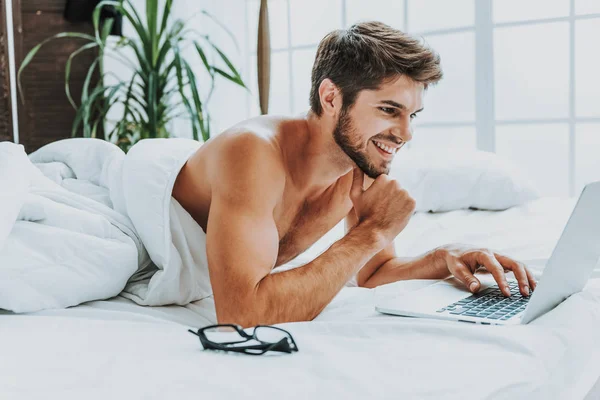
{"type": "Point", "coordinates": [242, 245]}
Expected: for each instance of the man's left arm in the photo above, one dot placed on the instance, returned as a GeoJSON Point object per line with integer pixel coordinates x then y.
{"type": "Point", "coordinates": [386, 266]}
{"type": "Point", "coordinates": [454, 259]}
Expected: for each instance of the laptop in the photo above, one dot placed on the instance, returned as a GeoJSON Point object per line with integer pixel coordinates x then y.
{"type": "Point", "coordinates": [567, 271]}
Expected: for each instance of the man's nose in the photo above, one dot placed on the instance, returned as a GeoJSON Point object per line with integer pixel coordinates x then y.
{"type": "Point", "coordinates": [403, 131]}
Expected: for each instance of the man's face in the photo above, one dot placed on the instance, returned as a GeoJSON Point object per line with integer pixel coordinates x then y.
{"type": "Point", "coordinates": [378, 124]}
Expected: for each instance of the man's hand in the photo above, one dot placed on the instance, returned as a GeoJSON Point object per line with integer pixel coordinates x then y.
{"type": "Point", "coordinates": [462, 262]}
{"type": "Point", "coordinates": [385, 206]}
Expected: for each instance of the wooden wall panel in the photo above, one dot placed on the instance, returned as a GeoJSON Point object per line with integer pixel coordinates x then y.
{"type": "Point", "coordinates": [5, 97]}
{"type": "Point", "coordinates": [47, 115]}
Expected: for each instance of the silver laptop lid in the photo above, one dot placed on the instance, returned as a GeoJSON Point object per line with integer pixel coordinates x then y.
{"type": "Point", "coordinates": [574, 257]}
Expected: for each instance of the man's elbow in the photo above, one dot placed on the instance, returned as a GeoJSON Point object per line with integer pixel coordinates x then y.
{"type": "Point", "coordinates": [362, 280]}
{"type": "Point", "coordinates": [246, 311]}
{"type": "Point", "coordinates": [253, 314]}
{"type": "Point", "coordinates": [366, 284]}
{"type": "Point", "coordinates": [261, 307]}
{"type": "Point", "coordinates": [243, 316]}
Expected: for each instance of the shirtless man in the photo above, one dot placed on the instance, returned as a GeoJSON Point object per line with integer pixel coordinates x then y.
{"type": "Point", "coordinates": [269, 187]}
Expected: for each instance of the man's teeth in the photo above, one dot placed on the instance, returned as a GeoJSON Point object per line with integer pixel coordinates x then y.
{"type": "Point", "coordinates": [387, 149]}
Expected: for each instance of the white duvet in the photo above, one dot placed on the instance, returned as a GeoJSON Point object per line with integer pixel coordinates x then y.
{"type": "Point", "coordinates": [81, 221]}
{"type": "Point", "coordinates": [61, 242]}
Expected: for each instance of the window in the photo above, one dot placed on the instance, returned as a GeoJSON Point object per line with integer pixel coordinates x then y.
{"type": "Point", "coordinates": [521, 78]}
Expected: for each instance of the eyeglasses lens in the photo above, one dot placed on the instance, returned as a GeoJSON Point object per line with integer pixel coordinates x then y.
{"type": "Point", "coordinates": [270, 335]}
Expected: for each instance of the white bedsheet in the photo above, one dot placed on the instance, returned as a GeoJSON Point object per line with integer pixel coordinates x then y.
{"type": "Point", "coordinates": [118, 349]}
{"type": "Point", "coordinates": [343, 354]}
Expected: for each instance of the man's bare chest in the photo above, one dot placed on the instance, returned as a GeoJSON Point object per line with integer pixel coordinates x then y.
{"type": "Point", "coordinates": [301, 225]}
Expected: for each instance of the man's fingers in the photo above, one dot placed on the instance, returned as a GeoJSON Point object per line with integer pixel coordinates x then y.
{"type": "Point", "coordinates": [463, 274]}
{"type": "Point", "coordinates": [523, 275]}
{"type": "Point", "coordinates": [494, 267]}
{"type": "Point", "coordinates": [519, 271]}
{"type": "Point", "coordinates": [531, 278]}
{"type": "Point", "coordinates": [357, 183]}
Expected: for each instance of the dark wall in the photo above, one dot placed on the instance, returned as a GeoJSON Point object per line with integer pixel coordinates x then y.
{"type": "Point", "coordinates": [47, 115]}
{"type": "Point", "coordinates": [5, 109]}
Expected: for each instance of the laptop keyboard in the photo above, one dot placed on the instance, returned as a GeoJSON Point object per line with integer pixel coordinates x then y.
{"type": "Point", "coordinates": [490, 304]}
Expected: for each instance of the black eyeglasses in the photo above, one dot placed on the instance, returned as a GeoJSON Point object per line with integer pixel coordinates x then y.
{"type": "Point", "coordinates": [231, 337]}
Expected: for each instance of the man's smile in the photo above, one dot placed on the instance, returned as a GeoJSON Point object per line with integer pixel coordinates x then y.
{"type": "Point", "coordinates": [387, 151]}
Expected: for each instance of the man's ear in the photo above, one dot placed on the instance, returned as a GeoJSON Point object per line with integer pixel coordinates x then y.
{"type": "Point", "coordinates": [330, 96]}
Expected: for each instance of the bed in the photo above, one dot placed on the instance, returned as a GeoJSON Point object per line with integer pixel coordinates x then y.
{"type": "Point", "coordinates": [75, 227]}
{"type": "Point", "coordinates": [118, 349]}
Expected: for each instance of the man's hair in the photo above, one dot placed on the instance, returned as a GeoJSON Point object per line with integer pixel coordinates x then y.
{"type": "Point", "coordinates": [368, 54]}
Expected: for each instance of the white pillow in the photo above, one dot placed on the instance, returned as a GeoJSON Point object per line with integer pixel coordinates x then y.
{"type": "Point", "coordinates": [458, 179]}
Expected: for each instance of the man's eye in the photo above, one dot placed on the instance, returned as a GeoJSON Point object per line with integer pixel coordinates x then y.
{"type": "Point", "coordinates": [387, 110]}
{"type": "Point", "coordinates": [413, 116]}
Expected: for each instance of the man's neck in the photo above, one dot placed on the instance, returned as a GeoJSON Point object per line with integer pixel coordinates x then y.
{"type": "Point", "coordinates": [316, 161]}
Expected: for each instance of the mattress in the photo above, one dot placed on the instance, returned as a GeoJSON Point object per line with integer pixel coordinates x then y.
{"type": "Point", "coordinates": [117, 349]}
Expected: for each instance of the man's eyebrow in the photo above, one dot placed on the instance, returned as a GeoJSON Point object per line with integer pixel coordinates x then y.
{"type": "Point", "coordinates": [398, 105]}
{"type": "Point", "coordinates": [394, 104]}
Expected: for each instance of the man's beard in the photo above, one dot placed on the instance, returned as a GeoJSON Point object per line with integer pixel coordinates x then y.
{"type": "Point", "coordinates": [343, 133]}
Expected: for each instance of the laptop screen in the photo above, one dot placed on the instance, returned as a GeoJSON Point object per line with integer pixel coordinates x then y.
{"type": "Point", "coordinates": [574, 257]}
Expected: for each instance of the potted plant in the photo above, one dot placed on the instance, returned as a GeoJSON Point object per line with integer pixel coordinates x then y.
{"type": "Point", "coordinates": [163, 85]}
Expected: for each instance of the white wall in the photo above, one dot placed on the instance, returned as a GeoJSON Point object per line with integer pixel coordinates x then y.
{"type": "Point", "coordinates": [229, 103]}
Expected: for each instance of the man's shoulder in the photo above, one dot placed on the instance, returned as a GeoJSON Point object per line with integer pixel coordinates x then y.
{"type": "Point", "coordinates": [256, 142]}
{"type": "Point", "coordinates": [249, 160]}
{"type": "Point", "coordinates": [248, 148]}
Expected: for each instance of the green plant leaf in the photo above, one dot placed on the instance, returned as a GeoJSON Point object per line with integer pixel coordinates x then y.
{"type": "Point", "coordinates": [84, 95]}
{"type": "Point", "coordinates": [142, 60]}
{"type": "Point", "coordinates": [137, 20]}
{"type": "Point", "coordinates": [165, 17]}
{"type": "Point", "coordinates": [234, 76]}
{"type": "Point", "coordinates": [226, 60]}
{"type": "Point", "coordinates": [152, 19]}
{"type": "Point", "coordinates": [196, 97]}
{"type": "Point", "coordinates": [204, 59]}
{"type": "Point", "coordinates": [151, 95]}
{"type": "Point", "coordinates": [208, 124]}
{"type": "Point", "coordinates": [95, 128]}
{"type": "Point", "coordinates": [68, 70]}
{"type": "Point", "coordinates": [84, 111]}
{"type": "Point", "coordinates": [179, 74]}
{"type": "Point", "coordinates": [37, 48]}
{"type": "Point", "coordinates": [88, 78]}
{"type": "Point", "coordinates": [143, 33]}
{"type": "Point", "coordinates": [129, 13]}
{"type": "Point", "coordinates": [103, 103]}
{"type": "Point", "coordinates": [106, 28]}
{"type": "Point", "coordinates": [96, 18]}
{"type": "Point", "coordinates": [233, 79]}
{"type": "Point", "coordinates": [166, 46]}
